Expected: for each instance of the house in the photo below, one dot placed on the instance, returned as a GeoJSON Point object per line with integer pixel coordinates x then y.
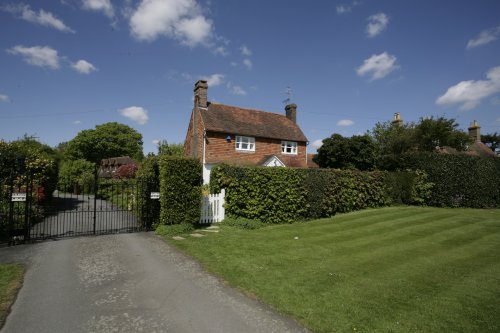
{"type": "Point", "coordinates": [109, 165]}
{"type": "Point", "coordinates": [219, 133]}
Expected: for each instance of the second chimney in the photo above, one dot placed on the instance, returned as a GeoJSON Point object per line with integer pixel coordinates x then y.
{"type": "Point", "coordinates": [291, 112]}
{"type": "Point", "coordinates": [200, 94]}
{"type": "Point", "coordinates": [474, 131]}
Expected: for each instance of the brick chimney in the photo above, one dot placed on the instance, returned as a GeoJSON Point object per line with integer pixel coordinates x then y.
{"type": "Point", "coordinates": [291, 112]}
{"type": "Point", "coordinates": [200, 94]}
{"type": "Point", "coordinates": [397, 119]}
{"type": "Point", "coordinates": [474, 131]}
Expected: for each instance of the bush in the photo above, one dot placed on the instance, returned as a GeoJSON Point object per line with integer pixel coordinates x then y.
{"type": "Point", "coordinates": [78, 173]}
{"type": "Point", "coordinates": [148, 181]}
{"type": "Point", "coordinates": [459, 180]}
{"type": "Point", "coordinates": [408, 187]}
{"type": "Point", "coordinates": [180, 190]}
{"type": "Point", "coordinates": [173, 230]}
{"type": "Point", "coordinates": [272, 195]}
{"type": "Point", "coordinates": [126, 171]}
{"type": "Point", "coordinates": [283, 195]}
{"type": "Point", "coordinates": [243, 223]}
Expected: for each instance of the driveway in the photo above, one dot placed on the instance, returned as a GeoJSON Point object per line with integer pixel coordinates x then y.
{"type": "Point", "coordinates": [127, 283]}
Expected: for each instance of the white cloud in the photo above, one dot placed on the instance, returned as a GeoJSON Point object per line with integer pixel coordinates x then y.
{"type": "Point", "coordinates": [484, 37]}
{"type": "Point", "coordinates": [245, 51]}
{"type": "Point", "coordinates": [237, 90]}
{"type": "Point", "coordinates": [4, 98]}
{"type": "Point", "coordinates": [220, 50]}
{"type": "Point", "coordinates": [83, 66]}
{"type": "Point", "coordinates": [378, 66]}
{"type": "Point", "coordinates": [77, 122]}
{"type": "Point", "coordinates": [214, 79]}
{"type": "Point", "coordinates": [248, 63]}
{"type": "Point", "coordinates": [103, 6]}
{"type": "Point", "coordinates": [342, 9]}
{"type": "Point", "coordinates": [376, 24]}
{"type": "Point", "coordinates": [470, 93]}
{"type": "Point", "coordinates": [233, 64]}
{"type": "Point", "coordinates": [42, 56]}
{"type": "Point", "coordinates": [42, 17]}
{"type": "Point", "coordinates": [345, 122]}
{"type": "Point", "coordinates": [179, 19]}
{"type": "Point", "coordinates": [317, 144]}
{"type": "Point", "coordinates": [135, 113]}
{"type": "Point", "coordinates": [155, 142]}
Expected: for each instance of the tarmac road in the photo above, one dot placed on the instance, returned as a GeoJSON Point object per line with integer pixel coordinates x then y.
{"type": "Point", "coordinates": [127, 283]}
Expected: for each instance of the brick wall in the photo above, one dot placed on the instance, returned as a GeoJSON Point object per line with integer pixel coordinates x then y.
{"type": "Point", "coordinates": [219, 150]}
{"type": "Point", "coordinates": [192, 147]}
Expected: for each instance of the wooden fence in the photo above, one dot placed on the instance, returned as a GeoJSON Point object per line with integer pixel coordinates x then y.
{"type": "Point", "coordinates": [212, 207]}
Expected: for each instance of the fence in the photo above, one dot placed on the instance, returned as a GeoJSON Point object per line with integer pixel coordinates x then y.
{"type": "Point", "coordinates": [212, 208]}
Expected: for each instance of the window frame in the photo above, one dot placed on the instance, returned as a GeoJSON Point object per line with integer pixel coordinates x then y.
{"type": "Point", "coordinates": [292, 145]}
{"type": "Point", "coordinates": [248, 140]}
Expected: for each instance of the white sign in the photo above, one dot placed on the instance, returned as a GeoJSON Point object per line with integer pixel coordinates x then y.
{"type": "Point", "coordinates": [18, 196]}
{"type": "Point", "coordinates": [155, 195]}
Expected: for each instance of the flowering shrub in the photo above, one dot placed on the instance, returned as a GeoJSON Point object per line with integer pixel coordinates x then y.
{"type": "Point", "coordinates": [126, 171]}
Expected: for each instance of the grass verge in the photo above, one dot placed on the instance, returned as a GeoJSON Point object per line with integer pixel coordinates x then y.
{"type": "Point", "coordinates": [11, 279]}
{"type": "Point", "coordinates": [396, 269]}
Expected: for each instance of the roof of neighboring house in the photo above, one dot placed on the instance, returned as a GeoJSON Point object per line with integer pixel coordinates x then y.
{"type": "Point", "coordinates": [476, 149]}
{"type": "Point", "coordinates": [117, 161]}
{"type": "Point", "coordinates": [248, 122]}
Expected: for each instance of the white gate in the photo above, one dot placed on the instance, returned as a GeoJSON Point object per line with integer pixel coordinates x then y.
{"type": "Point", "coordinates": [212, 207]}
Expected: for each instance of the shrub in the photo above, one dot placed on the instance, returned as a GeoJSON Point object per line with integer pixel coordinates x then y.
{"type": "Point", "coordinates": [283, 195]}
{"type": "Point", "coordinates": [408, 187]}
{"type": "Point", "coordinates": [78, 173]}
{"type": "Point", "coordinates": [126, 171]}
{"type": "Point", "coordinates": [180, 188]}
{"type": "Point", "coordinates": [147, 177]}
{"type": "Point", "coordinates": [459, 180]}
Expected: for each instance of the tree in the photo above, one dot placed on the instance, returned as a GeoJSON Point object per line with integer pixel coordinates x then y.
{"type": "Point", "coordinates": [105, 141]}
{"type": "Point", "coordinates": [433, 132]}
{"type": "Point", "coordinates": [491, 140]}
{"type": "Point", "coordinates": [340, 152]}
{"type": "Point", "coordinates": [172, 149]}
{"type": "Point", "coordinates": [392, 140]}
{"type": "Point", "coordinates": [75, 172]}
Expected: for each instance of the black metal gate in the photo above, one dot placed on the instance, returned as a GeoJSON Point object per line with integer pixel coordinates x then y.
{"type": "Point", "coordinates": [100, 207]}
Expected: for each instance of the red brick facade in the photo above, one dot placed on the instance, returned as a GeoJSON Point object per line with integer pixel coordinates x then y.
{"type": "Point", "coordinates": [212, 131]}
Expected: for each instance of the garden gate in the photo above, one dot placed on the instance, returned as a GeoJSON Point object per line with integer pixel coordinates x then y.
{"type": "Point", "coordinates": [101, 207]}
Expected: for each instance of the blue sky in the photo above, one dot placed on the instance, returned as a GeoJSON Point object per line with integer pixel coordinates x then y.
{"type": "Point", "coordinates": [68, 65]}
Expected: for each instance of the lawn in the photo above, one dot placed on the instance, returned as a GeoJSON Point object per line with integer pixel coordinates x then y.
{"type": "Point", "coordinates": [397, 269]}
{"type": "Point", "coordinates": [11, 277]}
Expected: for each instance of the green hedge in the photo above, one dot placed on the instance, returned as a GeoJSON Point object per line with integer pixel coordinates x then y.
{"type": "Point", "coordinates": [283, 195]}
{"type": "Point", "coordinates": [148, 180]}
{"type": "Point", "coordinates": [180, 190]}
{"type": "Point", "coordinates": [459, 180]}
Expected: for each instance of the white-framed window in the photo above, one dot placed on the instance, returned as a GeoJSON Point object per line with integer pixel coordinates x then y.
{"type": "Point", "coordinates": [289, 147]}
{"type": "Point", "coordinates": [245, 143]}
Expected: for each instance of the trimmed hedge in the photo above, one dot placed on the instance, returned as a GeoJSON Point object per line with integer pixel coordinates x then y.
{"type": "Point", "coordinates": [460, 180]}
{"type": "Point", "coordinates": [283, 195]}
{"type": "Point", "coordinates": [180, 190]}
{"type": "Point", "coordinates": [148, 180]}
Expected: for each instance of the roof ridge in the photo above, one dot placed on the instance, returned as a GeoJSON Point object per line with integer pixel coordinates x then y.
{"type": "Point", "coordinates": [248, 109]}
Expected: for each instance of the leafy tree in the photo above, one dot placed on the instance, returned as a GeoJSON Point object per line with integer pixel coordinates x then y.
{"type": "Point", "coordinates": [339, 152]}
{"type": "Point", "coordinates": [391, 141]}
{"type": "Point", "coordinates": [105, 141]}
{"type": "Point", "coordinates": [75, 172]}
{"type": "Point", "coordinates": [492, 140]}
{"type": "Point", "coordinates": [432, 132]}
{"type": "Point", "coordinates": [172, 149]}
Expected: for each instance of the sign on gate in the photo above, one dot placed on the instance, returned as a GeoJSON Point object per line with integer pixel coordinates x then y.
{"type": "Point", "coordinates": [155, 195]}
{"type": "Point", "coordinates": [18, 196]}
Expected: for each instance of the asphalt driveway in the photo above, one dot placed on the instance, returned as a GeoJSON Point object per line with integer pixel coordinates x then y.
{"type": "Point", "coordinates": [127, 283]}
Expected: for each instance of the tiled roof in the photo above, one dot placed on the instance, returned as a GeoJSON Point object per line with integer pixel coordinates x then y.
{"type": "Point", "coordinates": [235, 120]}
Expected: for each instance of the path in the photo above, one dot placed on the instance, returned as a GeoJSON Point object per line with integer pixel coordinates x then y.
{"type": "Point", "coordinates": [127, 283]}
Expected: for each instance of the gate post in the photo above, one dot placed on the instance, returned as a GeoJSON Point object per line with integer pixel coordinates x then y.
{"type": "Point", "coordinates": [95, 197]}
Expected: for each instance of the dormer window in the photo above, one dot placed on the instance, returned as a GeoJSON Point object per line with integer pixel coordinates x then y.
{"type": "Point", "coordinates": [289, 147]}
{"type": "Point", "coordinates": [245, 143]}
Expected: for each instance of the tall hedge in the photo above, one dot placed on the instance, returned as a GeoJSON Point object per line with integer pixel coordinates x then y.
{"type": "Point", "coordinates": [459, 180]}
{"type": "Point", "coordinates": [180, 190]}
{"type": "Point", "coordinates": [282, 195]}
{"type": "Point", "coordinates": [148, 180]}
